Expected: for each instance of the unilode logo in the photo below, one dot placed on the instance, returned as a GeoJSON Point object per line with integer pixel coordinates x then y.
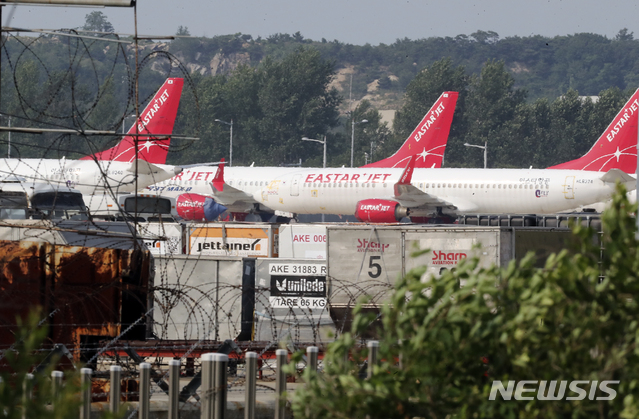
{"type": "Point", "coordinates": [531, 390]}
{"type": "Point", "coordinates": [283, 286]}
{"type": "Point", "coordinates": [541, 194]}
{"type": "Point", "coordinates": [447, 258]}
{"type": "Point", "coordinates": [218, 245]}
{"type": "Point", "coordinates": [366, 246]}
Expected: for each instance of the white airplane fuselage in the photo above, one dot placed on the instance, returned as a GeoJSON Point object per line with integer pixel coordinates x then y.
{"type": "Point", "coordinates": [86, 176]}
{"type": "Point", "coordinates": [510, 191]}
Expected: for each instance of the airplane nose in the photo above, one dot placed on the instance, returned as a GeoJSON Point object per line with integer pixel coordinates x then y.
{"type": "Point", "coordinates": [177, 170]}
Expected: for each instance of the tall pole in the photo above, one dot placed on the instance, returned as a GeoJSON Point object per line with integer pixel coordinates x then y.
{"type": "Point", "coordinates": [352, 139]}
{"type": "Point", "coordinates": [9, 150]}
{"type": "Point", "coordinates": [485, 154]}
{"type": "Point", "coordinates": [324, 166]}
{"type": "Point", "coordinates": [231, 147]}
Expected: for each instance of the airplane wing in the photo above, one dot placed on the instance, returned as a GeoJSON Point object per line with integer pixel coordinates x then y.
{"type": "Point", "coordinates": [409, 196]}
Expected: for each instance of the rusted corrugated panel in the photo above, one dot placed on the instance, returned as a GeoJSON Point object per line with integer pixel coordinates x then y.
{"type": "Point", "coordinates": [80, 289]}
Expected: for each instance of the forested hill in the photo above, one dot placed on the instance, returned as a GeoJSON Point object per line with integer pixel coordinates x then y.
{"type": "Point", "coordinates": [523, 96]}
{"type": "Point", "coordinates": [543, 66]}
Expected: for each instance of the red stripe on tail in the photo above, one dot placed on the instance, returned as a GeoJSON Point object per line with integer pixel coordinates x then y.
{"type": "Point", "coordinates": [617, 146]}
{"type": "Point", "coordinates": [157, 118]}
{"type": "Point", "coordinates": [428, 141]}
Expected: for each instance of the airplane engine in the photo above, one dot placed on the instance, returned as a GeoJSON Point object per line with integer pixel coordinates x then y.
{"type": "Point", "coordinates": [195, 207]}
{"type": "Point", "coordinates": [380, 211]}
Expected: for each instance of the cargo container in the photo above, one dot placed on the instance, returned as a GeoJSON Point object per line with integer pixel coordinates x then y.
{"type": "Point", "coordinates": [163, 239]}
{"type": "Point", "coordinates": [236, 240]}
{"type": "Point", "coordinates": [85, 294]}
{"type": "Point", "coordinates": [198, 298]}
{"type": "Point", "coordinates": [365, 262]}
{"type": "Point", "coordinates": [291, 301]}
{"type": "Point", "coordinates": [302, 241]}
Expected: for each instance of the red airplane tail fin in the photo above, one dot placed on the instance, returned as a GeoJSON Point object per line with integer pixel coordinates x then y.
{"type": "Point", "coordinates": [428, 140]}
{"type": "Point", "coordinates": [617, 146]}
{"type": "Point", "coordinates": [157, 118]}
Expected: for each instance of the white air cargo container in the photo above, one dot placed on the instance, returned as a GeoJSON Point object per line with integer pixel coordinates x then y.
{"type": "Point", "coordinates": [237, 240]}
{"type": "Point", "coordinates": [197, 298]}
{"type": "Point", "coordinates": [303, 241]}
{"type": "Point", "coordinates": [291, 301]}
{"type": "Point", "coordinates": [162, 239]}
{"type": "Point", "coordinates": [366, 261]}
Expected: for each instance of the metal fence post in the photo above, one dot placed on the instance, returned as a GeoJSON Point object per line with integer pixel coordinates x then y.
{"type": "Point", "coordinates": [311, 354]}
{"type": "Point", "coordinates": [85, 393]}
{"type": "Point", "coordinates": [373, 349]}
{"type": "Point", "coordinates": [221, 362]}
{"type": "Point", "coordinates": [280, 383]}
{"type": "Point", "coordinates": [174, 388]}
{"type": "Point", "coordinates": [206, 398]}
{"type": "Point", "coordinates": [145, 390]}
{"type": "Point", "coordinates": [114, 394]}
{"type": "Point", "coordinates": [251, 381]}
{"type": "Point", "coordinates": [56, 388]}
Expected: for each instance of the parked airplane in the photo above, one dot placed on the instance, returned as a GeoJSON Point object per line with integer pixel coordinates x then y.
{"type": "Point", "coordinates": [617, 147]}
{"type": "Point", "coordinates": [387, 195]}
{"type": "Point", "coordinates": [98, 174]}
{"type": "Point", "coordinates": [192, 187]}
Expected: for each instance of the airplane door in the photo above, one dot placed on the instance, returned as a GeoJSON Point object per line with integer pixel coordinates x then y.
{"type": "Point", "coordinates": [295, 185]}
{"type": "Point", "coordinates": [569, 187]}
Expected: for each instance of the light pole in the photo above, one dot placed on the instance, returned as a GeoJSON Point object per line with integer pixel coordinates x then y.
{"type": "Point", "coordinates": [363, 121]}
{"type": "Point", "coordinates": [485, 147]}
{"type": "Point", "coordinates": [318, 141]}
{"type": "Point", "coordinates": [231, 140]}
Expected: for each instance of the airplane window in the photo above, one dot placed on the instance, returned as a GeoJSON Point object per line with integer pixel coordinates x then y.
{"type": "Point", "coordinates": [421, 185]}
{"type": "Point", "coordinates": [239, 183]}
{"type": "Point", "coordinates": [454, 185]}
{"type": "Point", "coordinates": [510, 186]}
{"type": "Point", "coordinates": [465, 185]}
{"type": "Point", "coordinates": [384, 185]}
{"type": "Point", "coordinates": [449, 185]}
{"type": "Point", "coordinates": [439, 185]}
{"type": "Point", "coordinates": [251, 183]}
{"type": "Point", "coordinates": [373, 185]}
{"type": "Point", "coordinates": [339, 185]}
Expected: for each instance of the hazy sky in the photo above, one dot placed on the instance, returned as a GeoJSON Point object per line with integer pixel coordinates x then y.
{"type": "Point", "coordinates": [354, 21]}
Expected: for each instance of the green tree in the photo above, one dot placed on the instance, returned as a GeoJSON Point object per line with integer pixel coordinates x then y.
{"type": "Point", "coordinates": [369, 137]}
{"type": "Point", "coordinates": [420, 95]}
{"type": "Point", "coordinates": [183, 31]}
{"type": "Point", "coordinates": [491, 105]}
{"type": "Point", "coordinates": [21, 359]}
{"type": "Point", "coordinates": [97, 21]}
{"type": "Point", "coordinates": [441, 346]}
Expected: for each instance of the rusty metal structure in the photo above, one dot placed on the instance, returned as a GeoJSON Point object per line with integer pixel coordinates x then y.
{"type": "Point", "coordinates": [86, 294]}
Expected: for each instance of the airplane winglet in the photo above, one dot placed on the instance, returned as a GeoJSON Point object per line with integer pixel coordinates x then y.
{"type": "Point", "coordinates": [407, 174]}
{"type": "Point", "coordinates": [218, 179]}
